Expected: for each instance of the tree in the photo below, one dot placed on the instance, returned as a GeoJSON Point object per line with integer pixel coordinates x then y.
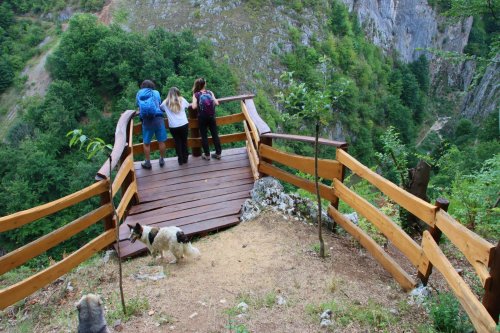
{"type": "Point", "coordinates": [6, 74]}
{"type": "Point", "coordinates": [310, 105]}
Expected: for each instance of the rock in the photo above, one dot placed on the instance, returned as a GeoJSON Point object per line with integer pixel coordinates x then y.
{"type": "Point", "coordinates": [194, 314]}
{"type": "Point", "coordinates": [353, 217]}
{"type": "Point", "coordinates": [222, 301]}
{"type": "Point", "coordinates": [280, 300]}
{"type": "Point", "coordinates": [108, 256]}
{"type": "Point", "coordinates": [327, 314]}
{"type": "Point", "coordinates": [117, 325]}
{"type": "Point", "coordinates": [419, 295]}
{"type": "Point", "coordinates": [243, 307]}
{"type": "Point", "coordinates": [69, 287]}
{"type": "Point", "coordinates": [325, 323]}
{"type": "Point", "coordinates": [394, 312]}
{"type": "Point", "coordinates": [151, 312]}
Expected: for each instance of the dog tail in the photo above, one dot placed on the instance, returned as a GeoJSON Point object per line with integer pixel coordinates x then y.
{"type": "Point", "coordinates": [190, 251]}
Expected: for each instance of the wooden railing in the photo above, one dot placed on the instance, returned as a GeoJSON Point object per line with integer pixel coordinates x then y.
{"type": "Point", "coordinates": [482, 255]}
{"type": "Point", "coordinates": [124, 181]}
{"type": "Point", "coordinates": [265, 160]}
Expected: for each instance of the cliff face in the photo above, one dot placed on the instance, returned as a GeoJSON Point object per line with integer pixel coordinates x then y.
{"type": "Point", "coordinates": [484, 98]}
{"type": "Point", "coordinates": [403, 26]}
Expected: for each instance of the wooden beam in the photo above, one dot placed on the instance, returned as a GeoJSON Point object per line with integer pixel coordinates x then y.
{"type": "Point", "coordinates": [126, 198]}
{"type": "Point", "coordinates": [253, 163]}
{"type": "Point", "coordinates": [123, 172]}
{"type": "Point", "coordinates": [19, 256]}
{"type": "Point", "coordinates": [378, 253]}
{"type": "Point", "coordinates": [418, 207]}
{"type": "Point", "coordinates": [262, 127]}
{"type": "Point", "coordinates": [250, 143]}
{"type": "Point", "coordinates": [492, 290]}
{"type": "Point", "coordinates": [121, 142]}
{"type": "Point", "coordinates": [193, 122]}
{"type": "Point", "coordinates": [476, 249]}
{"type": "Point", "coordinates": [253, 128]}
{"type": "Point", "coordinates": [18, 291]}
{"type": "Point", "coordinates": [477, 313]}
{"type": "Point", "coordinates": [268, 169]}
{"type": "Point", "coordinates": [328, 169]}
{"type": "Point", "coordinates": [392, 231]}
{"type": "Point", "coordinates": [307, 139]}
{"type": "Point", "coordinates": [193, 142]}
{"type": "Point", "coordinates": [19, 219]}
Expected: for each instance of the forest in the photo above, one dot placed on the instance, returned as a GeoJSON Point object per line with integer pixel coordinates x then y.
{"type": "Point", "coordinates": [379, 104]}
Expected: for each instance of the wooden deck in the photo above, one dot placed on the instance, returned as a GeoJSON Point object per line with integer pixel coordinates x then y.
{"type": "Point", "coordinates": [199, 196]}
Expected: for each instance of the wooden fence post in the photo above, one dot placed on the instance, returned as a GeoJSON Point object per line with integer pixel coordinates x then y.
{"type": "Point", "coordinates": [491, 299]}
{"type": "Point", "coordinates": [335, 203]}
{"type": "Point", "coordinates": [443, 204]}
{"type": "Point", "coordinates": [194, 132]}
{"type": "Point", "coordinates": [105, 199]}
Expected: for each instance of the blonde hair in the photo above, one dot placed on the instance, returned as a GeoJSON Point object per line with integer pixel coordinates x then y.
{"type": "Point", "coordinates": [174, 99]}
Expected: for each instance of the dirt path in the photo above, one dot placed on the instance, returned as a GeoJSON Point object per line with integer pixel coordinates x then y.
{"type": "Point", "coordinates": [262, 263]}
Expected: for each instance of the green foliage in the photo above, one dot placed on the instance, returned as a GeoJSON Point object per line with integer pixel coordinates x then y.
{"type": "Point", "coordinates": [474, 196]}
{"type": "Point", "coordinates": [6, 74]}
{"type": "Point", "coordinates": [447, 315]}
{"type": "Point", "coordinates": [97, 70]}
{"type": "Point", "coordinates": [135, 307]}
{"type": "Point", "coordinates": [393, 160]}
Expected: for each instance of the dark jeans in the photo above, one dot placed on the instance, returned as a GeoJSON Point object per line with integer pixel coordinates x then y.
{"type": "Point", "coordinates": [180, 135]}
{"type": "Point", "coordinates": [205, 123]}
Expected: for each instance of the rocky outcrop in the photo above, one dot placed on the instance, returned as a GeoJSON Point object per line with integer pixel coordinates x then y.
{"type": "Point", "coordinates": [483, 99]}
{"type": "Point", "coordinates": [406, 26]}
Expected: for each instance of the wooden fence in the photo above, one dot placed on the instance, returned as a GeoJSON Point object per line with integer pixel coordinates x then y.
{"type": "Point", "coordinates": [124, 180]}
{"type": "Point", "coordinates": [265, 160]}
{"type": "Point", "coordinates": [482, 255]}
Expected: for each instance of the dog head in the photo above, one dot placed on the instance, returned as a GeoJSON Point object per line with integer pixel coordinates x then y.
{"type": "Point", "coordinates": [91, 314]}
{"type": "Point", "coordinates": [135, 232]}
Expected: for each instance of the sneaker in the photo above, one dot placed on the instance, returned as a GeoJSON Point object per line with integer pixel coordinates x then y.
{"type": "Point", "coordinates": [205, 157]}
{"type": "Point", "coordinates": [146, 164]}
{"type": "Point", "coordinates": [162, 161]}
{"type": "Point", "coordinates": [216, 156]}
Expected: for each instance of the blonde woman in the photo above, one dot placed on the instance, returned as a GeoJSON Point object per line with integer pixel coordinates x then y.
{"type": "Point", "coordinates": [175, 107]}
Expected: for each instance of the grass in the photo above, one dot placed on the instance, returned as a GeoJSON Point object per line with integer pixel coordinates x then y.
{"type": "Point", "coordinates": [371, 315]}
{"type": "Point", "coordinates": [134, 306]}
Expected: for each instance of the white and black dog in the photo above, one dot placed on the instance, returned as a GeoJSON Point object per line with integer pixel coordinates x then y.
{"type": "Point", "coordinates": [159, 240]}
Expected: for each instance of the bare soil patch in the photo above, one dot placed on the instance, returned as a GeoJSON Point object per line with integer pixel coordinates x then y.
{"type": "Point", "coordinates": [257, 262]}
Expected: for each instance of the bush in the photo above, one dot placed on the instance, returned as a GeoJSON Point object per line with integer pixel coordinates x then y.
{"type": "Point", "coordinates": [447, 314]}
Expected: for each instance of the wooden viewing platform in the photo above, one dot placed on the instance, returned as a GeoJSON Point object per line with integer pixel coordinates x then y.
{"type": "Point", "coordinates": [203, 196]}
{"type": "Point", "coordinates": [199, 197]}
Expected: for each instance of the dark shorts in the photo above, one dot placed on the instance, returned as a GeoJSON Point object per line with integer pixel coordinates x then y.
{"type": "Point", "coordinates": [154, 127]}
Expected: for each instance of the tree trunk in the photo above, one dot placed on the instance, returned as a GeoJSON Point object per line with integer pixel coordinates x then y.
{"type": "Point", "coordinates": [418, 179]}
{"type": "Point", "coordinates": [316, 181]}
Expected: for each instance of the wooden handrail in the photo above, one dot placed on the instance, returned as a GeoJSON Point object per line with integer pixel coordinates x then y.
{"type": "Point", "coordinates": [18, 291]}
{"type": "Point", "coordinates": [138, 148]}
{"type": "Point", "coordinates": [193, 122]}
{"type": "Point", "coordinates": [307, 139]}
{"type": "Point", "coordinates": [19, 256]}
{"type": "Point", "coordinates": [477, 313]}
{"type": "Point", "coordinates": [328, 169]}
{"type": "Point", "coordinates": [19, 219]}
{"type": "Point", "coordinates": [418, 207]}
{"type": "Point", "coordinates": [255, 119]}
{"type": "Point", "coordinates": [376, 250]}
{"type": "Point", "coordinates": [121, 142]}
{"type": "Point", "coordinates": [477, 250]}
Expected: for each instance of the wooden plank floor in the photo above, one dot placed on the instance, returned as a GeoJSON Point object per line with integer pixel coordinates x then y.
{"type": "Point", "coordinates": [199, 196]}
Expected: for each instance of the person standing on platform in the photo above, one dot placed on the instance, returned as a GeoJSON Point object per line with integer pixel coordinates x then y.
{"type": "Point", "coordinates": [148, 100]}
{"type": "Point", "coordinates": [204, 101]}
{"type": "Point", "coordinates": [175, 107]}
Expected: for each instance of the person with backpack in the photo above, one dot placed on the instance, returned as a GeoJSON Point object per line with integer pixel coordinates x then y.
{"type": "Point", "coordinates": [204, 101]}
{"type": "Point", "coordinates": [175, 107]}
{"type": "Point", "coordinates": [148, 100]}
